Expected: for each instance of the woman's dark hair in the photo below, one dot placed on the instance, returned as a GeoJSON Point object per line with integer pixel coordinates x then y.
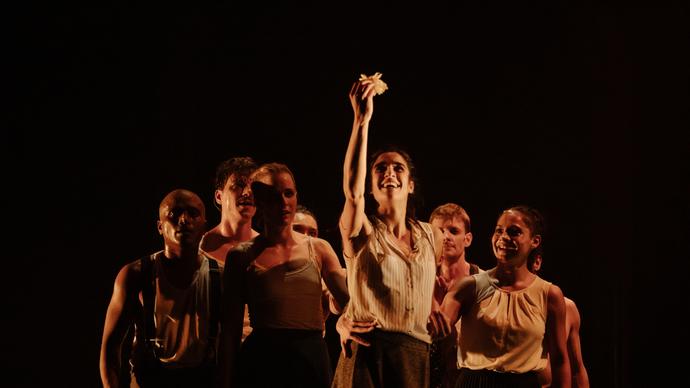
{"type": "Point", "coordinates": [412, 199]}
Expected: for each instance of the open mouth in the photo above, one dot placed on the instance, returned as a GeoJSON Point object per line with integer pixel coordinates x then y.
{"type": "Point", "coordinates": [505, 248]}
{"type": "Point", "coordinates": [390, 185]}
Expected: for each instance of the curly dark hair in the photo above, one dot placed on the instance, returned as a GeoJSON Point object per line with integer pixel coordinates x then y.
{"type": "Point", "coordinates": [242, 165]}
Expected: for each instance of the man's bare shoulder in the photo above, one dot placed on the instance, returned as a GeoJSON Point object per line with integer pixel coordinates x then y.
{"type": "Point", "coordinates": [129, 276]}
{"type": "Point", "coordinates": [572, 314]}
{"type": "Point", "coordinates": [212, 240]}
{"type": "Point", "coordinates": [242, 254]}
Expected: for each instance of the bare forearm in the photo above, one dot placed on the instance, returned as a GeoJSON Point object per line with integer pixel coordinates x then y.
{"type": "Point", "coordinates": [231, 335]}
{"type": "Point", "coordinates": [227, 359]}
{"type": "Point", "coordinates": [354, 168]}
{"type": "Point", "coordinates": [581, 379]}
{"type": "Point", "coordinates": [109, 368]}
{"type": "Point", "coordinates": [335, 281]}
{"type": "Point", "coordinates": [561, 377]}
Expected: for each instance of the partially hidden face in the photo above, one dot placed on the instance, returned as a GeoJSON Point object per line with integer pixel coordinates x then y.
{"type": "Point", "coordinates": [277, 196]}
{"type": "Point", "coordinates": [455, 236]}
{"type": "Point", "coordinates": [390, 177]}
{"type": "Point", "coordinates": [305, 224]}
{"type": "Point", "coordinates": [512, 240]}
{"type": "Point", "coordinates": [236, 197]}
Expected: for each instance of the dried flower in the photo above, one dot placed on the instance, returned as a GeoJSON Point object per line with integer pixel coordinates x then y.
{"type": "Point", "coordinates": [379, 85]}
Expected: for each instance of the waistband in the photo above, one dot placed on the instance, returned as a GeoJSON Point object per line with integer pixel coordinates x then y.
{"type": "Point", "coordinates": [278, 334]}
{"type": "Point", "coordinates": [396, 338]}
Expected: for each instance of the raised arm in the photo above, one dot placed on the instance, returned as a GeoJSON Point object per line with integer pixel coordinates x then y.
{"type": "Point", "coordinates": [353, 218]}
{"type": "Point", "coordinates": [123, 307]}
{"type": "Point", "coordinates": [577, 365]}
{"type": "Point", "coordinates": [232, 317]}
{"type": "Point", "coordinates": [556, 338]}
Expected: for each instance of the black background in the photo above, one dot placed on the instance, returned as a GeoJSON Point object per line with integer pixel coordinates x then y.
{"type": "Point", "coordinates": [578, 111]}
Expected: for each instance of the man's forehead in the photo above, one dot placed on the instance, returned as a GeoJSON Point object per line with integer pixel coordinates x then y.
{"type": "Point", "coordinates": [235, 177]}
{"type": "Point", "coordinates": [237, 180]}
{"type": "Point", "coordinates": [455, 220]}
{"type": "Point", "coordinates": [446, 219]}
{"type": "Point", "coordinates": [182, 204]}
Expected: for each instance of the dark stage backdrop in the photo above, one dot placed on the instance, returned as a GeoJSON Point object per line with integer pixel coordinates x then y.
{"type": "Point", "coordinates": [580, 112]}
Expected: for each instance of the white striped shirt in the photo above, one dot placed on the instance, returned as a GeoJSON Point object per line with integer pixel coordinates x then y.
{"type": "Point", "coordinates": [391, 288]}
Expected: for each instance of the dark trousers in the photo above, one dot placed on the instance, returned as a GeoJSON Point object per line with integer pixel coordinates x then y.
{"type": "Point", "coordinates": [198, 377]}
{"type": "Point", "coordinates": [489, 379]}
{"type": "Point", "coordinates": [392, 360]}
{"type": "Point", "coordinates": [284, 358]}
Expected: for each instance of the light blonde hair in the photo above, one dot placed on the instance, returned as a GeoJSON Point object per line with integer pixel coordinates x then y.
{"type": "Point", "coordinates": [452, 210]}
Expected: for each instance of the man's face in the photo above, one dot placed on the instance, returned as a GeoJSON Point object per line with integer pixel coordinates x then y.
{"type": "Point", "coordinates": [455, 236]}
{"type": "Point", "coordinates": [182, 220]}
{"type": "Point", "coordinates": [236, 199]}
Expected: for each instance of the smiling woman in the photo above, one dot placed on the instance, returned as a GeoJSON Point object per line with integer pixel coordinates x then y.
{"type": "Point", "coordinates": [509, 313]}
{"type": "Point", "coordinates": [390, 259]}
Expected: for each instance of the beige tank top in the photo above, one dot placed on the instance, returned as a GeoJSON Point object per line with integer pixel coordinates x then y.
{"type": "Point", "coordinates": [504, 330]}
{"type": "Point", "coordinates": [286, 296]}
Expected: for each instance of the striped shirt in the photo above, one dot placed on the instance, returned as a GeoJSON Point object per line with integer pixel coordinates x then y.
{"type": "Point", "coordinates": [394, 289]}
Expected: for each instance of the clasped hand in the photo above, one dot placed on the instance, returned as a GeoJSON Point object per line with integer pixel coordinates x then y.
{"type": "Point", "coordinates": [438, 324]}
{"type": "Point", "coordinates": [350, 331]}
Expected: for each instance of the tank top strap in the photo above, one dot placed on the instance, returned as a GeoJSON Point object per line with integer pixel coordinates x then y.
{"type": "Point", "coordinates": [312, 254]}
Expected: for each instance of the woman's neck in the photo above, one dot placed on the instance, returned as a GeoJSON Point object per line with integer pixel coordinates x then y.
{"type": "Point", "coordinates": [278, 235]}
{"type": "Point", "coordinates": [511, 275]}
{"type": "Point", "coordinates": [394, 217]}
{"type": "Point", "coordinates": [396, 225]}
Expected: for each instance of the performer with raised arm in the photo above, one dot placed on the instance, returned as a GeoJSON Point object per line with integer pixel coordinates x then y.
{"type": "Point", "coordinates": [390, 259]}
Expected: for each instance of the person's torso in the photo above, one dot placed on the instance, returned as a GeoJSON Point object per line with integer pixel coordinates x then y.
{"type": "Point", "coordinates": [504, 331]}
{"type": "Point", "coordinates": [181, 318]}
{"type": "Point", "coordinates": [394, 288]}
{"type": "Point", "coordinates": [286, 295]}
